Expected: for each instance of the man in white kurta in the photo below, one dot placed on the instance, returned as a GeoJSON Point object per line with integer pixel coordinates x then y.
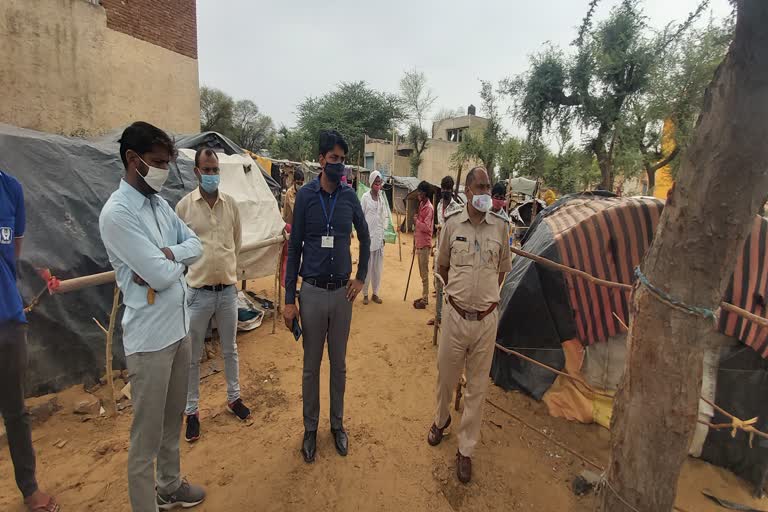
{"type": "Point", "coordinates": [377, 216]}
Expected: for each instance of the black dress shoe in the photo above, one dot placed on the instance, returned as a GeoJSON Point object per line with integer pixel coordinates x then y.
{"type": "Point", "coordinates": [309, 446]}
{"type": "Point", "coordinates": [341, 440]}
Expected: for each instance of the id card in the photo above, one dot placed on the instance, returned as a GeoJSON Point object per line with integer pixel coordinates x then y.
{"type": "Point", "coordinates": [326, 242]}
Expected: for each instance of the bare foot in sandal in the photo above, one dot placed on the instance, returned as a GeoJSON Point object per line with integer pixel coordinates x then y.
{"type": "Point", "coordinates": [41, 502]}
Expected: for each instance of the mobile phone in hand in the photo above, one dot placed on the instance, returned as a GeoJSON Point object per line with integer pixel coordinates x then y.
{"type": "Point", "coordinates": [296, 329]}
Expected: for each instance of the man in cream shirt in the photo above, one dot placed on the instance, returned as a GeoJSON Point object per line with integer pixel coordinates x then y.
{"type": "Point", "coordinates": [214, 217]}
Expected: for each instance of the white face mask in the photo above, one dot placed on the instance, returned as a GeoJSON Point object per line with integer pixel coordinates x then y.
{"type": "Point", "coordinates": [482, 202]}
{"type": "Point", "coordinates": [155, 177]}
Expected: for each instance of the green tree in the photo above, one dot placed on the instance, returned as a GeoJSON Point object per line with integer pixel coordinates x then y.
{"type": "Point", "coordinates": [240, 120]}
{"type": "Point", "coordinates": [483, 146]}
{"type": "Point", "coordinates": [291, 145]}
{"type": "Point", "coordinates": [216, 110]}
{"type": "Point", "coordinates": [510, 158]}
{"type": "Point", "coordinates": [354, 110]}
{"type": "Point", "coordinates": [417, 100]}
{"type": "Point", "coordinates": [675, 95]}
{"type": "Point", "coordinates": [250, 128]}
{"type": "Point", "coordinates": [613, 62]}
{"type": "Point", "coordinates": [721, 185]}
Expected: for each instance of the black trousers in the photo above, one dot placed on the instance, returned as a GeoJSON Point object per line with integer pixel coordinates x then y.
{"type": "Point", "coordinates": [13, 370]}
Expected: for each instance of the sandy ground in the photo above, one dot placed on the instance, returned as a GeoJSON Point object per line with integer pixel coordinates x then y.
{"type": "Point", "coordinates": [256, 465]}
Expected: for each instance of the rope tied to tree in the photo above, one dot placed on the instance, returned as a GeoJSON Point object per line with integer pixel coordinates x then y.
{"type": "Point", "coordinates": [746, 426]}
{"type": "Point", "coordinates": [672, 302]}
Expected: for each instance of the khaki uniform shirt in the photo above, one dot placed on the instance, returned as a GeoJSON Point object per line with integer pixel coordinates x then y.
{"type": "Point", "coordinates": [475, 255]}
{"type": "Point", "coordinates": [288, 203]}
{"type": "Point", "coordinates": [219, 231]}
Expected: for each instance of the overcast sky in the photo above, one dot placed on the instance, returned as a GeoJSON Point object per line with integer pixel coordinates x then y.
{"type": "Point", "coordinates": [276, 53]}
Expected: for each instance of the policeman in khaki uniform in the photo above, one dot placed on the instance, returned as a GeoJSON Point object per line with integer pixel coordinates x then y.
{"type": "Point", "coordinates": [472, 259]}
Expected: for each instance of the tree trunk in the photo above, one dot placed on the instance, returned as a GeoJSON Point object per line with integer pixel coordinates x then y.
{"type": "Point", "coordinates": [722, 181]}
{"type": "Point", "coordinates": [606, 171]}
{"type": "Point", "coordinates": [604, 158]}
{"type": "Point", "coordinates": [651, 173]}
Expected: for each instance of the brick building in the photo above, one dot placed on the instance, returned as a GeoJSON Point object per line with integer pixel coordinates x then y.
{"type": "Point", "coordinates": [81, 67]}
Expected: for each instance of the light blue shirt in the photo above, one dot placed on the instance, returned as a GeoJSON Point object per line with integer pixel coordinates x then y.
{"type": "Point", "coordinates": [134, 228]}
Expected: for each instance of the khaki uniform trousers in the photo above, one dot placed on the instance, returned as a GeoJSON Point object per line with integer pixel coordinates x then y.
{"type": "Point", "coordinates": [470, 343]}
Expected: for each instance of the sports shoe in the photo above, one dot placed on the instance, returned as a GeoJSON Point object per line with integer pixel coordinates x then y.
{"type": "Point", "coordinates": [193, 428]}
{"type": "Point", "coordinates": [365, 300]}
{"type": "Point", "coordinates": [239, 409]}
{"type": "Point", "coordinates": [376, 299]}
{"type": "Point", "coordinates": [186, 496]}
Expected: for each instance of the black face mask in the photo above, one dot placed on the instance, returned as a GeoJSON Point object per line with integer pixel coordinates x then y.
{"type": "Point", "coordinates": [447, 195]}
{"type": "Point", "coordinates": [334, 171]}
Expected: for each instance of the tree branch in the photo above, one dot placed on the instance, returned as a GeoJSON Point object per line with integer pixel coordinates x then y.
{"type": "Point", "coordinates": [684, 26]}
{"type": "Point", "coordinates": [658, 165]}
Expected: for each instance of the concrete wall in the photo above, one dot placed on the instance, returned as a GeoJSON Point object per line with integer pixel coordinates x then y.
{"type": "Point", "coordinates": [436, 160]}
{"type": "Point", "coordinates": [382, 159]}
{"type": "Point", "coordinates": [474, 123]}
{"type": "Point", "coordinates": [66, 72]}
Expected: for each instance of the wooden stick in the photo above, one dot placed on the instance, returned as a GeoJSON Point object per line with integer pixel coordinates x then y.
{"type": "Point", "coordinates": [553, 370]}
{"type": "Point", "coordinates": [277, 285]}
{"type": "Point", "coordinates": [110, 334]}
{"type": "Point", "coordinates": [103, 329]}
{"type": "Point", "coordinates": [746, 428]}
{"type": "Point", "coordinates": [78, 283]}
{"type": "Point", "coordinates": [399, 241]}
{"type": "Point", "coordinates": [408, 283]}
{"type": "Point", "coordinates": [763, 322]}
{"type": "Point", "coordinates": [279, 306]}
{"type": "Point", "coordinates": [570, 270]}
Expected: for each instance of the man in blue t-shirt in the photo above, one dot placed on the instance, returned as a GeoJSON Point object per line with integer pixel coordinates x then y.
{"type": "Point", "coordinates": [13, 348]}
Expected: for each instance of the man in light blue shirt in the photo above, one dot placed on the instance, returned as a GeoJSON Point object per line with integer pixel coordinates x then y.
{"type": "Point", "coordinates": [150, 249]}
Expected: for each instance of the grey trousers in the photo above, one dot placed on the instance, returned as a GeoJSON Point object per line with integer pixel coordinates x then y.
{"type": "Point", "coordinates": [203, 306]}
{"type": "Point", "coordinates": [159, 393]}
{"type": "Point", "coordinates": [325, 315]}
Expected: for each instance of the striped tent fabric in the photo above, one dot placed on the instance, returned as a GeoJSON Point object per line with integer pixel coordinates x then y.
{"type": "Point", "coordinates": [748, 290]}
{"type": "Point", "coordinates": [608, 237]}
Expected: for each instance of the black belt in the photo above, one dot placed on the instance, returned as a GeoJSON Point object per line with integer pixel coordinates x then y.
{"type": "Point", "coordinates": [327, 284]}
{"type": "Point", "coordinates": [216, 287]}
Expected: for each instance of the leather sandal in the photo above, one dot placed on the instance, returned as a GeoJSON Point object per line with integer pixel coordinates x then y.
{"type": "Point", "coordinates": [50, 506]}
{"type": "Point", "coordinates": [436, 434]}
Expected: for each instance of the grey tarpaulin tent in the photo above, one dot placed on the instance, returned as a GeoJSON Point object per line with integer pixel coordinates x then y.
{"type": "Point", "coordinates": [66, 182]}
{"type": "Point", "coordinates": [401, 187]}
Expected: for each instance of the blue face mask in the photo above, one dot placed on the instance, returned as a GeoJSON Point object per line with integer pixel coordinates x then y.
{"type": "Point", "coordinates": [209, 182]}
{"type": "Point", "coordinates": [334, 171]}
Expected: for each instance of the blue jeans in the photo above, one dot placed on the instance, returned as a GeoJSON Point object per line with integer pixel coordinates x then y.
{"type": "Point", "coordinates": [203, 306]}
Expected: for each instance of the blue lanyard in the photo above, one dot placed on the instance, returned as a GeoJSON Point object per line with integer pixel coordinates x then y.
{"type": "Point", "coordinates": [325, 213]}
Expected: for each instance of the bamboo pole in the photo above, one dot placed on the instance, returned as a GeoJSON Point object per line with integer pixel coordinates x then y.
{"type": "Point", "coordinates": [78, 283]}
{"type": "Point", "coordinates": [277, 285]}
{"type": "Point", "coordinates": [399, 241]}
{"type": "Point", "coordinates": [110, 335]}
{"type": "Point", "coordinates": [279, 306]}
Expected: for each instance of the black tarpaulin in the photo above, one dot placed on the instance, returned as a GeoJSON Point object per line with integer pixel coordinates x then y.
{"type": "Point", "coordinates": [66, 182]}
{"type": "Point", "coordinates": [534, 318]}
